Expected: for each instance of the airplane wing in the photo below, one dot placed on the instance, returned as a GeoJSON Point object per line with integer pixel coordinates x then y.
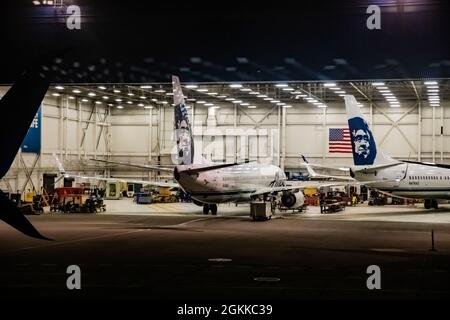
{"type": "Point", "coordinates": [314, 174]}
{"type": "Point", "coordinates": [315, 165]}
{"type": "Point", "coordinates": [377, 167]}
{"type": "Point", "coordinates": [136, 165]}
{"type": "Point", "coordinates": [143, 182]}
{"type": "Point", "coordinates": [354, 169]}
{"type": "Point", "coordinates": [274, 190]}
{"type": "Point", "coordinates": [391, 194]}
{"type": "Point", "coordinates": [295, 188]}
{"type": "Point", "coordinates": [63, 172]}
{"type": "Point", "coordinates": [195, 170]}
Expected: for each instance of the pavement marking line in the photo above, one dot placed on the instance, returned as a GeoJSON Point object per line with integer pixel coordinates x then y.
{"type": "Point", "coordinates": [388, 250]}
{"type": "Point", "coordinates": [183, 224]}
{"type": "Point", "coordinates": [220, 260]}
{"type": "Point", "coordinates": [266, 279]}
{"type": "Point", "coordinates": [72, 241]}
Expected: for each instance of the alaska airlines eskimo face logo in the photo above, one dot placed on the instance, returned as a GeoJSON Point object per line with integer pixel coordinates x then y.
{"type": "Point", "coordinates": [361, 140]}
{"type": "Point", "coordinates": [364, 148]}
{"type": "Point", "coordinates": [183, 136]}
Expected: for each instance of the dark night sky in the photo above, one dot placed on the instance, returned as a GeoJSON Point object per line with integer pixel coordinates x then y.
{"type": "Point", "coordinates": [131, 41]}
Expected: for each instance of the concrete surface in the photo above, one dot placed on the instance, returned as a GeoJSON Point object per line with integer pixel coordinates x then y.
{"type": "Point", "coordinates": [172, 251]}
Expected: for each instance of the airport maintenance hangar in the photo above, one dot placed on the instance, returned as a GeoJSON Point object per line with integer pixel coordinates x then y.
{"type": "Point", "coordinates": [270, 122]}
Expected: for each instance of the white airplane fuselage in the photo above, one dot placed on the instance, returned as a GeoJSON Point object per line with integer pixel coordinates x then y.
{"type": "Point", "coordinates": [410, 180]}
{"type": "Point", "coordinates": [231, 184]}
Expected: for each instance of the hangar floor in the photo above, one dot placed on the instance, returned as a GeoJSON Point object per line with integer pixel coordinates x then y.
{"type": "Point", "coordinates": [161, 252]}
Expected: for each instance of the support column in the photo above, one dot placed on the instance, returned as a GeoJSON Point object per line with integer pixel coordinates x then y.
{"type": "Point", "coordinates": [283, 142]}
{"type": "Point", "coordinates": [95, 128]}
{"type": "Point", "coordinates": [60, 129]}
{"type": "Point", "coordinates": [235, 135]}
{"type": "Point", "coordinates": [419, 124]}
{"type": "Point", "coordinates": [442, 133]}
{"type": "Point", "coordinates": [434, 135]}
{"type": "Point", "coordinates": [150, 126]}
{"type": "Point", "coordinates": [79, 126]}
{"type": "Point", "coordinates": [66, 124]}
{"type": "Point", "coordinates": [150, 123]}
{"type": "Point", "coordinates": [279, 138]}
{"type": "Point", "coordinates": [325, 136]}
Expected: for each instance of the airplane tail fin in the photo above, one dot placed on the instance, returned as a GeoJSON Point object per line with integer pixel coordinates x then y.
{"type": "Point", "coordinates": [61, 169]}
{"type": "Point", "coordinates": [363, 142]}
{"type": "Point", "coordinates": [19, 107]}
{"type": "Point", "coordinates": [183, 130]}
{"type": "Point", "coordinates": [312, 173]}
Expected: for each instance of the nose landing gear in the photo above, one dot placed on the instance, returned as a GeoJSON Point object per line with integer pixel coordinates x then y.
{"type": "Point", "coordinates": [210, 207]}
{"type": "Point", "coordinates": [431, 204]}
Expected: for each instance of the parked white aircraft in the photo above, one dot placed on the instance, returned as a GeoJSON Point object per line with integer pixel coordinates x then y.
{"type": "Point", "coordinates": [408, 179]}
{"type": "Point", "coordinates": [210, 184]}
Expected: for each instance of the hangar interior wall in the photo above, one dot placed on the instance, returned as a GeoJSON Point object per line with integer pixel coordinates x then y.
{"type": "Point", "coordinates": [78, 131]}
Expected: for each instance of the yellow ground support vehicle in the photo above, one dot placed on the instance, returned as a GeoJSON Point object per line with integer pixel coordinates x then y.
{"type": "Point", "coordinates": [164, 195]}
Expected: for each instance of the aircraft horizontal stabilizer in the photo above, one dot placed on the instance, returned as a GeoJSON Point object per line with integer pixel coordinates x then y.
{"type": "Point", "coordinates": [210, 168]}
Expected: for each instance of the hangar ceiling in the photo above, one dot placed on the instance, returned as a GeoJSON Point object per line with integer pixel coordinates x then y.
{"type": "Point", "coordinates": [259, 94]}
{"type": "Point", "coordinates": [142, 41]}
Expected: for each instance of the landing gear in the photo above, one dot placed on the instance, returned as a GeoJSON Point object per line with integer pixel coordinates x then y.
{"type": "Point", "coordinates": [434, 204]}
{"type": "Point", "coordinates": [212, 207]}
{"type": "Point", "coordinates": [431, 203]}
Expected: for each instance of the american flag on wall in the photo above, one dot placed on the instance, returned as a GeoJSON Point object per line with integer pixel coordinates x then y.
{"type": "Point", "coordinates": [339, 140]}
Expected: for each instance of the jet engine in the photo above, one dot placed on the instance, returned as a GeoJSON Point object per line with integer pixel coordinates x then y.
{"type": "Point", "coordinates": [292, 200]}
